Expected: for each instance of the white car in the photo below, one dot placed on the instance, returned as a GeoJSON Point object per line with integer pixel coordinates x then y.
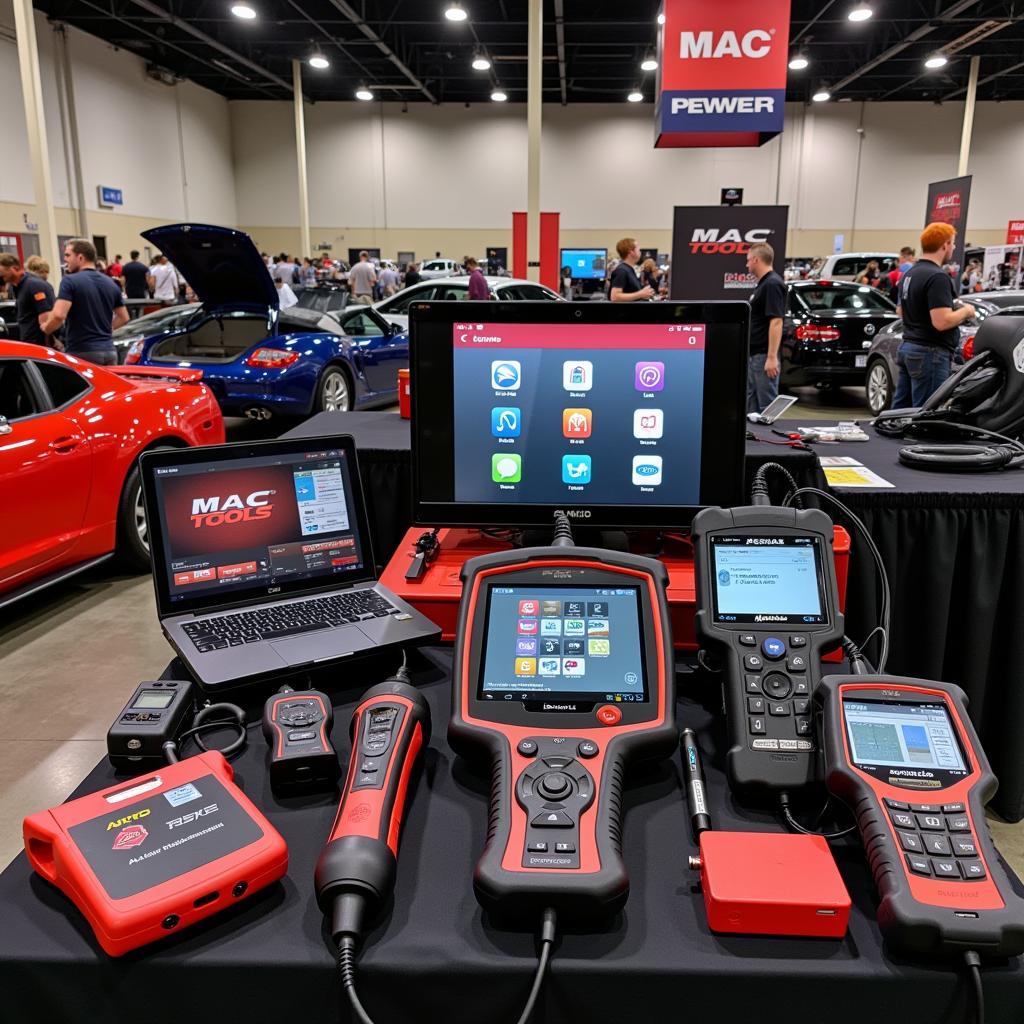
{"type": "Point", "coordinates": [396, 308]}
{"type": "Point", "coordinates": [848, 266]}
{"type": "Point", "coordinates": [433, 269]}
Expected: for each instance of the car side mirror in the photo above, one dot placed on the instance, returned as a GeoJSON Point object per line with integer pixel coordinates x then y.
{"type": "Point", "coordinates": [5, 427]}
{"type": "Point", "coordinates": [3, 327]}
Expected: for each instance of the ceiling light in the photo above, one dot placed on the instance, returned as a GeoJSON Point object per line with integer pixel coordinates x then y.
{"type": "Point", "coordinates": [798, 62]}
{"type": "Point", "coordinates": [661, 19]}
{"type": "Point", "coordinates": [861, 12]}
{"type": "Point", "coordinates": [362, 93]}
{"type": "Point", "coordinates": [649, 64]}
{"type": "Point", "coordinates": [319, 61]}
{"type": "Point", "coordinates": [243, 11]}
{"type": "Point", "coordinates": [936, 60]}
{"type": "Point", "coordinates": [456, 12]}
{"type": "Point", "coordinates": [498, 96]}
{"type": "Point", "coordinates": [821, 96]}
{"type": "Point", "coordinates": [481, 63]}
{"type": "Point", "coordinates": [635, 96]}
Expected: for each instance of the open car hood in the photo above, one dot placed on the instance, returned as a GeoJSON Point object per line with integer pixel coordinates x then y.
{"type": "Point", "coordinates": [222, 265]}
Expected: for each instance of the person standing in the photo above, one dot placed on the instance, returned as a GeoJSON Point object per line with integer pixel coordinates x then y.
{"type": "Point", "coordinates": [361, 279]}
{"type": "Point", "coordinates": [566, 280]}
{"type": "Point", "coordinates": [91, 305]}
{"type": "Point", "coordinates": [38, 267]}
{"type": "Point", "coordinates": [931, 320]}
{"type": "Point", "coordinates": [624, 284]}
{"type": "Point", "coordinates": [388, 282]}
{"type": "Point", "coordinates": [412, 275]}
{"type": "Point", "coordinates": [284, 269]}
{"type": "Point", "coordinates": [477, 282]}
{"type": "Point", "coordinates": [33, 299]}
{"type": "Point", "coordinates": [116, 269]}
{"type": "Point", "coordinates": [163, 281]}
{"type": "Point", "coordinates": [767, 309]}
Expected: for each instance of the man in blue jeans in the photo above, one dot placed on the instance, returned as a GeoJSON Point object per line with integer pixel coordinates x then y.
{"type": "Point", "coordinates": [931, 324]}
{"type": "Point", "coordinates": [767, 309]}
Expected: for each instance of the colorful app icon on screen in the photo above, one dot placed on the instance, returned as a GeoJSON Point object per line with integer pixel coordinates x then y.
{"type": "Point", "coordinates": [648, 424]}
{"type": "Point", "coordinates": [597, 627]}
{"type": "Point", "coordinates": [529, 606]}
{"type": "Point", "coordinates": [573, 666]}
{"type": "Point", "coordinates": [550, 666]}
{"type": "Point", "coordinates": [573, 646]}
{"type": "Point", "coordinates": [576, 469]}
{"type": "Point", "coordinates": [526, 645]}
{"type": "Point", "coordinates": [526, 666]}
{"type": "Point", "coordinates": [575, 608]}
{"type": "Point", "coordinates": [506, 421]}
{"type": "Point", "coordinates": [551, 607]}
{"type": "Point", "coordinates": [597, 609]}
{"type": "Point", "coordinates": [649, 376]}
{"type": "Point", "coordinates": [647, 470]}
{"type": "Point", "coordinates": [577, 375]}
{"type": "Point", "coordinates": [506, 374]}
{"type": "Point", "coordinates": [599, 648]}
{"type": "Point", "coordinates": [549, 645]}
{"type": "Point", "coordinates": [577, 422]}
{"type": "Point", "coordinates": [506, 468]}
{"type": "Point", "coordinates": [575, 627]}
{"type": "Point", "coordinates": [550, 627]}
{"type": "Point", "coordinates": [527, 627]}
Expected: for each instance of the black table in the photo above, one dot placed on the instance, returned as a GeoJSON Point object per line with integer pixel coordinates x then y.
{"type": "Point", "coordinates": [434, 956]}
{"type": "Point", "coordinates": [953, 544]}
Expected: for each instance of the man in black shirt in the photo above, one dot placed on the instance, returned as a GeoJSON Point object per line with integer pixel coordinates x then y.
{"type": "Point", "coordinates": [33, 298]}
{"type": "Point", "coordinates": [931, 324]}
{"type": "Point", "coordinates": [91, 304]}
{"type": "Point", "coordinates": [135, 274]}
{"type": "Point", "coordinates": [625, 285]}
{"type": "Point", "coordinates": [767, 308]}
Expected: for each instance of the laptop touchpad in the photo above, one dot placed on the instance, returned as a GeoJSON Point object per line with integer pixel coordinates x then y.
{"type": "Point", "coordinates": [325, 643]}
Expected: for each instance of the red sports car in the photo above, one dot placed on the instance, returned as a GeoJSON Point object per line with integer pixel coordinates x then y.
{"type": "Point", "coordinates": [70, 437]}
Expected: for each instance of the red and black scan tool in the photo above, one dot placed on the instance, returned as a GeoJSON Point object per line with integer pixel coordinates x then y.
{"type": "Point", "coordinates": [903, 754]}
{"type": "Point", "coordinates": [562, 674]}
{"type": "Point", "coordinates": [297, 728]}
{"type": "Point", "coordinates": [152, 856]}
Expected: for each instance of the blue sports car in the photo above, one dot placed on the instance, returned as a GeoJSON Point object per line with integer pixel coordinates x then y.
{"type": "Point", "coordinates": [258, 359]}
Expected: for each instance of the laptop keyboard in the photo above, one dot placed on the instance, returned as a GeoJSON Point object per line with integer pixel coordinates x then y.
{"type": "Point", "coordinates": [287, 619]}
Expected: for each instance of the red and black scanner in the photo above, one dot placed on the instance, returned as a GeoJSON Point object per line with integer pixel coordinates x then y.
{"type": "Point", "coordinates": [563, 673]}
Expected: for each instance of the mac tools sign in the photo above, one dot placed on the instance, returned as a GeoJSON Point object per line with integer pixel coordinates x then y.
{"type": "Point", "coordinates": [710, 246]}
{"type": "Point", "coordinates": [947, 202]}
{"type": "Point", "coordinates": [721, 73]}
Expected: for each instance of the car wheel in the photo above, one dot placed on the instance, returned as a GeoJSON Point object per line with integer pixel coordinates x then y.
{"type": "Point", "coordinates": [879, 387]}
{"type": "Point", "coordinates": [132, 530]}
{"type": "Point", "coordinates": [334, 393]}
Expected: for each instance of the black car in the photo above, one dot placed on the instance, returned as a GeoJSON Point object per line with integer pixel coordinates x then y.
{"type": "Point", "coordinates": [324, 297]}
{"type": "Point", "coordinates": [828, 328]}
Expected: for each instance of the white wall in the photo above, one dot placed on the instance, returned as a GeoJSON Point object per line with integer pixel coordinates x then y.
{"type": "Point", "coordinates": [128, 134]}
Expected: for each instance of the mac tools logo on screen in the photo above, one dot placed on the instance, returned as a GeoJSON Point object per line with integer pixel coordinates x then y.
{"type": "Point", "coordinates": [723, 72]}
{"type": "Point", "coordinates": [208, 513]}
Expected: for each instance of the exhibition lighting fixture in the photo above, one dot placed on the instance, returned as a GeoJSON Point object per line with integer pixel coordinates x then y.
{"type": "Point", "coordinates": [936, 60]}
{"type": "Point", "coordinates": [362, 93]}
{"type": "Point", "coordinates": [243, 11]}
{"type": "Point", "coordinates": [456, 12]}
{"type": "Point", "coordinates": [635, 96]}
{"type": "Point", "coordinates": [661, 19]}
{"type": "Point", "coordinates": [821, 96]}
{"type": "Point", "coordinates": [319, 61]}
{"type": "Point", "coordinates": [649, 64]}
{"type": "Point", "coordinates": [481, 63]}
{"type": "Point", "coordinates": [861, 12]}
{"type": "Point", "coordinates": [498, 96]}
{"type": "Point", "coordinates": [798, 62]}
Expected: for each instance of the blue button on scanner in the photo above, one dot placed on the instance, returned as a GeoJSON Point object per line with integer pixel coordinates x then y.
{"type": "Point", "coordinates": [773, 647]}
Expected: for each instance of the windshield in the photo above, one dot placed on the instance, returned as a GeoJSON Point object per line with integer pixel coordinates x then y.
{"type": "Point", "coordinates": [849, 298]}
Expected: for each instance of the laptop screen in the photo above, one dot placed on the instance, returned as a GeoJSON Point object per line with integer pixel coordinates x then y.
{"type": "Point", "coordinates": [253, 520]}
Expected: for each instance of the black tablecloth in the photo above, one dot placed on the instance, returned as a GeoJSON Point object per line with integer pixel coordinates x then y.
{"type": "Point", "coordinates": [953, 544]}
{"type": "Point", "coordinates": [434, 956]}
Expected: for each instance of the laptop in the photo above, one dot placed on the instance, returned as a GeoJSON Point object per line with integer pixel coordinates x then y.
{"type": "Point", "coordinates": [262, 560]}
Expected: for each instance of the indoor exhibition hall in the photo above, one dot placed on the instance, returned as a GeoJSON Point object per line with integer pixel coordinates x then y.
{"type": "Point", "coordinates": [512, 511]}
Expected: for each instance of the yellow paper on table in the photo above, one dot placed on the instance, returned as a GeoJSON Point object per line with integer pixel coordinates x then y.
{"type": "Point", "coordinates": [853, 476]}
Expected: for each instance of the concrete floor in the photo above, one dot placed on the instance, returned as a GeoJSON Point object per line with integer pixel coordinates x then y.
{"type": "Point", "coordinates": [71, 656]}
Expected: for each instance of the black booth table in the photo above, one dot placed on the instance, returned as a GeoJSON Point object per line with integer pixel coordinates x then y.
{"type": "Point", "coordinates": [434, 956]}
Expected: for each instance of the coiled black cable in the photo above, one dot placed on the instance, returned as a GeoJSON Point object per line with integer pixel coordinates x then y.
{"type": "Point", "coordinates": [759, 494]}
{"type": "Point", "coordinates": [964, 458]}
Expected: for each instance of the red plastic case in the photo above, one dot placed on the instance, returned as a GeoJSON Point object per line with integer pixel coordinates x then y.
{"type": "Point", "coordinates": [146, 858]}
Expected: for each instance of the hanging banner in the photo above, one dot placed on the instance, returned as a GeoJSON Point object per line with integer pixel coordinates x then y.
{"type": "Point", "coordinates": [710, 246]}
{"type": "Point", "coordinates": [721, 73]}
{"type": "Point", "coordinates": [947, 202]}
{"type": "Point", "coordinates": [1015, 232]}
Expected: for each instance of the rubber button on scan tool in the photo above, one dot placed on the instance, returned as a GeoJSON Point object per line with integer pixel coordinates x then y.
{"type": "Point", "coordinates": [552, 819]}
{"type": "Point", "coordinates": [609, 714]}
{"type": "Point", "coordinates": [773, 647]}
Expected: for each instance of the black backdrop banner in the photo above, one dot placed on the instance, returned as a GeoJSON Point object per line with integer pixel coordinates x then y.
{"type": "Point", "coordinates": [710, 245]}
{"type": "Point", "coordinates": [947, 202]}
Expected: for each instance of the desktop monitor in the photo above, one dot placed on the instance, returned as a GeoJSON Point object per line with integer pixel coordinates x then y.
{"type": "Point", "coordinates": [621, 415]}
{"type": "Point", "coordinates": [585, 264]}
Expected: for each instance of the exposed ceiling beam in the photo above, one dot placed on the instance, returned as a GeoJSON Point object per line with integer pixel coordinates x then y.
{"type": "Point", "coordinates": [560, 41]}
{"type": "Point", "coordinates": [986, 79]}
{"type": "Point", "coordinates": [919, 33]}
{"type": "Point", "coordinates": [157, 11]}
{"type": "Point", "coordinates": [353, 15]}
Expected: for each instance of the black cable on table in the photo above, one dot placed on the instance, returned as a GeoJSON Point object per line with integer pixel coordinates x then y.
{"type": "Point", "coordinates": [973, 962]}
